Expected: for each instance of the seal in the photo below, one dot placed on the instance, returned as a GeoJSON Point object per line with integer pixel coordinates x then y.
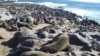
{"type": "Point", "coordinates": [34, 53]}
{"type": "Point", "coordinates": [60, 44]}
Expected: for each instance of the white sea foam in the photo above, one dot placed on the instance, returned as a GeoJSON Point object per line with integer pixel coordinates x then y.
{"type": "Point", "coordinates": [78, 11]}
{"type": "Point", "coordinates": [52, 5]}
{"type": "Point", "coordinates": [91, 14]}
{"type": "Point", "coordinates": [48, 4]}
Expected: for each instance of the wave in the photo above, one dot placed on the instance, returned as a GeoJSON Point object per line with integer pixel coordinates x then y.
{"type": "Point", "coordinates": [52, 5]}
{"type": "Point", "coordinates": [79, 11]}
{"type": "Point", "coordinates": [48, 4]}
{"type": "Point", "coordinates": [91, 14]}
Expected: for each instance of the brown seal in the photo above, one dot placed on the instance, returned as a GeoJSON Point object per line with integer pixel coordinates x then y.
{"type": "Point", "coordinates": [34, 53]}
{"type": "Point", "coordinates": [61, 43]}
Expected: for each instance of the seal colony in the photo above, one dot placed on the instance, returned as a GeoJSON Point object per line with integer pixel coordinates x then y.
{"type": "Point", "coordinates": [38, 30]}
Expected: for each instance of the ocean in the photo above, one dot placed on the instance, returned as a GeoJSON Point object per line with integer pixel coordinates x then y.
{"type": "Point", "coordinates": [85, 8]}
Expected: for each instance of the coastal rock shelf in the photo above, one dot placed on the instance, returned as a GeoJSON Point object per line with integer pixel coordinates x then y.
{"type": "Point", "coordinates": [36, 30]}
